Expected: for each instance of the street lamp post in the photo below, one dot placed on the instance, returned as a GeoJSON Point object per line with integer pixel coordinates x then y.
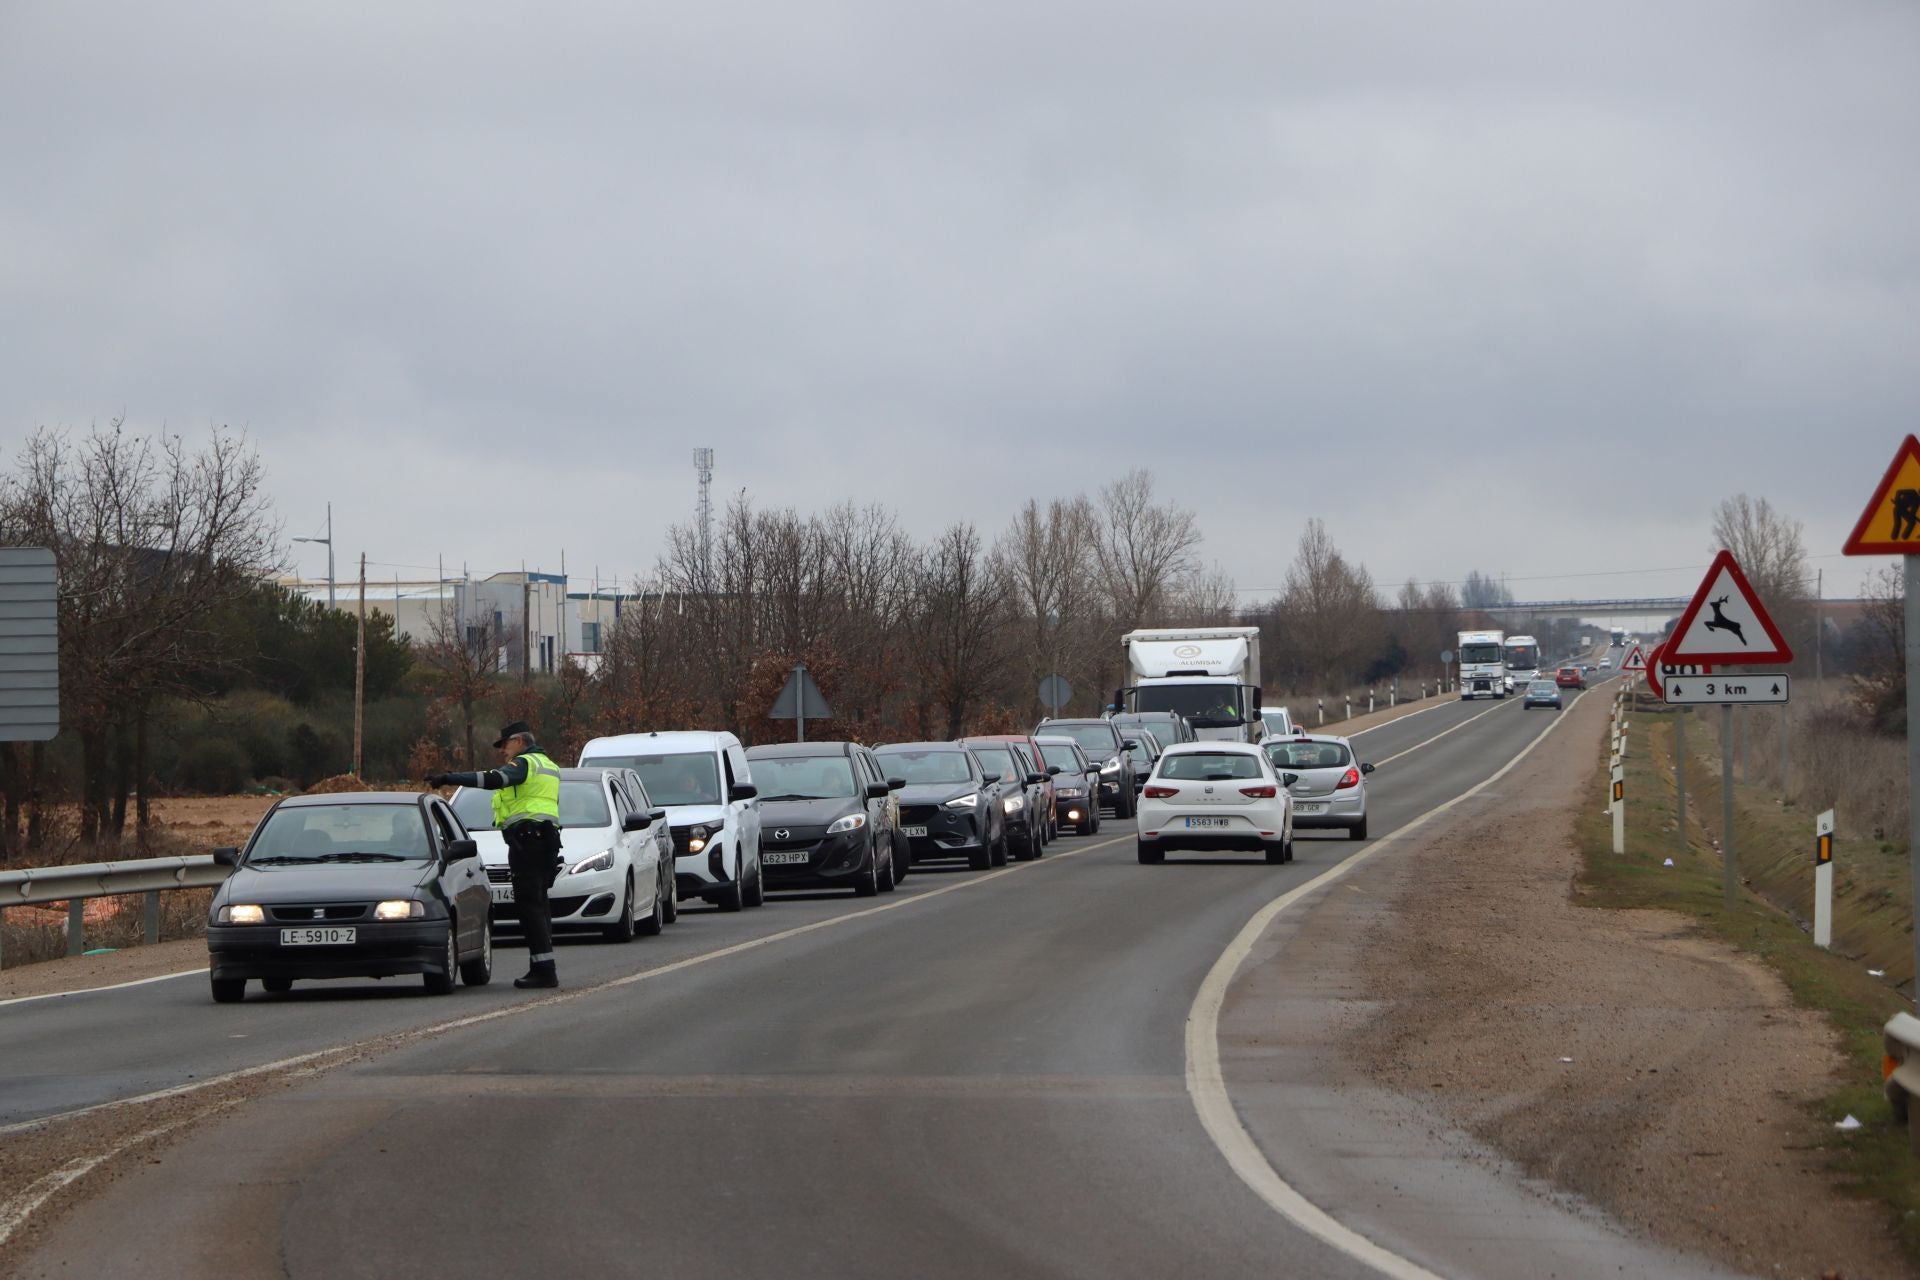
{"type": "Point", "coordinates": [329, 541]}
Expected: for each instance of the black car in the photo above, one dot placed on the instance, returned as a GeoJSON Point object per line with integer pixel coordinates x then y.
{"type": "Point", "coordinates": [1076, 787]}
{"type": "Point", "coordinates": [1023, 794]}
{"type": "Point", "coordinates": [357, 885]}
{"type": "Point", "coordinates": [1108, 748]}
{"type": "Point", "coordinates": [1146, 753]}
{"type": "Point", "coordinates": [1168, 727]}
{"type": "Point", "coordinates": [949, 808]}
{"type": "Point", "coordinates": [825, 817]}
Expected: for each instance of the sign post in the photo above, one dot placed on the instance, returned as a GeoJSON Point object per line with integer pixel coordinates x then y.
{"type": "Point", "coordinates": [1055, 693]}
{"type": "Point", "coordinates": [1446, 667]}
{"type": "Point", "coordinates": [799, 699]}
{"type": "Point", "coordinates": [1823, 880]}
{"type": "Point", "coordinates": [1890, 526]}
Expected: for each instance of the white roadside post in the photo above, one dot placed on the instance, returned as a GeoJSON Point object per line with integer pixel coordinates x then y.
{"type": "Point", "coordinates": [1823, 880]}
{"type": "Point", "coordinates": [1619, 808]}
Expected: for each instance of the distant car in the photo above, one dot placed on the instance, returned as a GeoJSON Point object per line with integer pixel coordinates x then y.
{"type": "Point", "coordinates": [1542, 693]}
{"type": "Point", "coordinates": [1329, 787]}
{"type": "Point", "coordinates": [1569, 678]}
{"type": "Point", "coordinates": [1606, 662]}
{"type": "Point", "coordinates": [1076, 786]}
{"type": "Point", "coordinates": [1108, 746]}
{"type": "Point", "coordinates": [1025, 794]}
{"type": "Point", "coordinates": [1032, 756]}
{"type": "Point", "coordinates": [948, 809]}
{"type": "Point", "coordinates": [361, 884]}
{"type": "Point", "coordinates": [825, 820]}
{"type": "Point", "coordinates": [704, 783]}
{"type": "Point", "coordinates": [1215, 795]}
{"type": "Point", "coordinates": [1167, 726]}
{"type": "Point", "coordinates": [1146, 753]}
{"type": "Point", "coordinates": [1276, 722]}
{"type": "Point", "coordinates": [616, 856]}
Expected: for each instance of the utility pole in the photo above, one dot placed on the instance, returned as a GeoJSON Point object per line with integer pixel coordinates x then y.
{"type": "Point", "coordinates": [331, 602]}
{"type": "Point", "coordinates": [526, 625]}
{"type": "Point", "coordinates": [703, 512]}
{"type": "Point", "coordinates": [1819, 623]}
{"type": "Point", "coordinates": [360, 672]}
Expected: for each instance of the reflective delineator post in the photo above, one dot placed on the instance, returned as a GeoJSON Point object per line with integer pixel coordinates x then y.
{"type": "Point", "coordinates": [1619, 808]}
{"type": "Point", "coordinates": [1823, 880]}
{"type": "Point", "coordinates": [1680, 775]}
{"type": "Point", "coordinates": [1913, 742]}
{"type": "Point", "coordinates": [1730, 874]}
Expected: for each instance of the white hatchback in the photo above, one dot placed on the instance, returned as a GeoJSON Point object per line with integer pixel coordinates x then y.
{"type": "Point", "coordinates": [1215, 795]}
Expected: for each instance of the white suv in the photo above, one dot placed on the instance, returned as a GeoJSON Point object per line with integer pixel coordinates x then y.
{"type": "Point", "coordinates": [703, 782]}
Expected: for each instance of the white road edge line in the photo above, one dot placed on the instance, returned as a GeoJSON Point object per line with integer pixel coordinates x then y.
{"type": "Point", "coordinates": [118, 986]}
{"type": "Point", "coordinates": [1206, 1082]}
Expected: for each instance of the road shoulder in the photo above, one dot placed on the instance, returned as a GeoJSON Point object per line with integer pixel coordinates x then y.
{"type": "Point", "coordinates": [77, 974]}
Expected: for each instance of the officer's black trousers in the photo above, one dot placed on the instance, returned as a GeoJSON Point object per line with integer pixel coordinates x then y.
{"type": "Point", "coordinates": [533, 853]}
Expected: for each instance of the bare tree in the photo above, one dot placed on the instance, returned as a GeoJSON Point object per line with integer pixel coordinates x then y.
{"type": "Point", "coordinates": [1142, 548]}
{"type": "Point", "coordinates": [1484, 591]}
{"type": "Point", "coordinates": [1331, 607]}
{"type": "Point", "coordinates": [461, 663]}
{"type": "Point", "coordinates": [959, 628]}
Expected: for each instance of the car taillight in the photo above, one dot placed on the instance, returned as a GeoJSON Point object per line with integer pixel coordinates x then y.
{"type": "Point", "coordinates": [1351, 778]}
{"type": "Point", "coordinates": [1260, 793]}
{"type": "Point", "coordinates": [1160, 793]}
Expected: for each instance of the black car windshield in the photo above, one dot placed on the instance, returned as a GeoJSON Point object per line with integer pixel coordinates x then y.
{"type": "Point", "coordinates": [341, 832]}
{"type": "Point", "coordinates": [1061, 754]}
{"type": "Point", "coordinates": [803, 777]}
{"type": "Point", "coordinates": [1000, 760]}
{"type": "Point", "coordinates": [1097, 740]}
{"type": "Point", "coordinates": [1209, 766]}
{"type": "Point", "coordinates": [1474, 653]}
{"type": "Point", "coordinates": [930, 767]}
{"type": "Point", "coordinates": [1208, 706]}
{"type": "Point", "coordinates": [1523, 656]}
{"type": "Point", "coordinates": [680, 778]}
{"type": "Point", "coordinates": [583, 803]}
{"type": "Point", "coordinates": [1308, 755]}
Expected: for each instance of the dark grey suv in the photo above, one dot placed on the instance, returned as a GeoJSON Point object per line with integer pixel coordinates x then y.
{"type": "Point", "coordinates": [1107, 748]}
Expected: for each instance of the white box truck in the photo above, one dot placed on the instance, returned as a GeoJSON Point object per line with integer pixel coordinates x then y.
{"type": "Point", "coordinates": [1482, 656]}
{"type": "Point", "coordinates": [1210, 675]}
{"type": "Point", "coordinates": [1523, 661]}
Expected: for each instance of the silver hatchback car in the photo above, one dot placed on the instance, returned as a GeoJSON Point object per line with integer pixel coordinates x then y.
{"type": "Point", "coordinates": [1329, 786]}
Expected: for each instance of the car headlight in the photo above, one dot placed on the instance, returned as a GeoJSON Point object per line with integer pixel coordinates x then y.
{"type": "Point", "coordinates": [1068, 793]}
{"type": "Point", "coordinates": [963, 802]}
{"type": "Point", "coordinates": [1111, 766]}
{"type": "Point", "coordinates": [600, 861]}
{"type": "Point", "coordinates": [697, 839]}
{"type": "Point", "coordinates": [1013, 804]}
{"type": "Point", "coordinates": [852, 822]}
{"type": "Point", "coordinates": [245, 913]}
{"type": "Point", "coordinates": [400, 909]}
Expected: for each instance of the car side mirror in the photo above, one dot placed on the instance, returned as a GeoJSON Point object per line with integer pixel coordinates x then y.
{"type": "Point", "coordinates": [1366, 768]}
{"type": "Point", "coordinates": [636, 822]}
{"type": "Point", "coordinates": [896, 784]}
{"type": "Point", "coordinates": [226, 856]}
{"type": "Point", "coordinates": [877, 790]}
{"type": "Point", "coordinates": [1288, 779]}
{"type": "Point", "coordinates": [1035, 779]}
{"type": "Point", "coordinates": [458, 849]}
{"type": "Point", "coordinates": [990, 777]}
{"type": "Point", "coordinates": [658, 815]}
{"type": "Point", "coordinates": [1054, 771]}
{"type": "Point", "coordinates": [1130, 744]}
{"type": "Point", "coordinates": [742, 791]}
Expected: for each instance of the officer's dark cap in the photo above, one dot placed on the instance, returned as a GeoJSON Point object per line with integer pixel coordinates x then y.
{"type": "Point", "coordinates": [519, 728]}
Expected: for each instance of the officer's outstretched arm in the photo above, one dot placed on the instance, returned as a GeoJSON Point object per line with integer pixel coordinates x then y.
{"type": "Point", "coordinates": [510, 774]}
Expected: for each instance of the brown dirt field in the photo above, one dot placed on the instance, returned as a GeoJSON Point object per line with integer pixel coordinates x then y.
{"type": "Point", "coordinates": [212, 820]}
{"type": "Point", "coordinates": [1685, 1110]}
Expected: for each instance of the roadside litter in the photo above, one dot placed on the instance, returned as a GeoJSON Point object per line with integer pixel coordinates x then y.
{"type": "Point", "coordinates": [1849, 1123]}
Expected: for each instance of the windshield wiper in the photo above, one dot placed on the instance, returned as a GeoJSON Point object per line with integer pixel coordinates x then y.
{"type": "Point", "coordinates": [796, 798]}
{"type": "Point", "coordinates": [278, 860]}
{"type": "Point", "coordinates": [363, 857]}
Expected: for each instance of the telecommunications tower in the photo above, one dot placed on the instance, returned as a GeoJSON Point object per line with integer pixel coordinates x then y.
{"type": "Point", "coordinates": [703, 511]}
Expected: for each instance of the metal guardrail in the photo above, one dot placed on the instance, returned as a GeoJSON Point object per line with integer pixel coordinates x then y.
{"type": "Point", "coordinates": [75, 884]}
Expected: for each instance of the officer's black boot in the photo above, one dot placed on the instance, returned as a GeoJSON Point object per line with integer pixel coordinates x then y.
{"type": "Point", "coordinates": [541, 974]}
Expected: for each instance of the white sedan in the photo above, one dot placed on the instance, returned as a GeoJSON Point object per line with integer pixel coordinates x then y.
{"type": "Point", "coordinates": [1215, 795]}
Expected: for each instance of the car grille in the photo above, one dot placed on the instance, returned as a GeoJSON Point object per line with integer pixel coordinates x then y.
{"type": "Point", "coordinates": [501, 874]}
{"type": "Point", "coordinates": [305, 914]}
{"type": "Point", "coordinates": [918, 814]}
{"type": "Point", "coordinates": [682, 840]}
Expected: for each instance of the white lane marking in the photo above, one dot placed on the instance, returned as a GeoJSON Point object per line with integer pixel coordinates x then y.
{"type": "Point", "coordinates": [565, 997]}
{"type": "Point", "coordinates": [118, 986]}
{"type": "Point", "coordinates": [1498, 706]}
{"type": "Point", "coordinates": [1437, 706]}
{"type": "Point", "coordinates": [1206, 1082]}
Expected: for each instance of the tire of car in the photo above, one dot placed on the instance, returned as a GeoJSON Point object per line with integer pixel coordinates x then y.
{"type": "Point", "coordinates": [980, 859]}
{"type": "Point", "coordinates": [654, 923]}
{"type": "Point", "coordinates": [440, 984]}
{"type": "Point", "coordinates": [1277, 854]}
{"type": "Point", "coordinates": [868, 885]}
{"type": "Point", "coordinates": [669, 892]}
{"type": "Point", "coordinates": [756, 891]}
{"type": "Point", "coordinates": [1128, 805]}
{"type": "Point", "coordinates": [902, 856]}
{"type": "Point", "coordinates": [624, 930]}
{"type": "Point", "coordinates": [1150, 855]}
{"type": "Point", "coordinates": [228, 990]}
{"type": "Point", "coordinates": [1027, 850]}
{"type": "Point", "coordinates": [1358, 831]}
{"type": "Point", "coordinates": [890, 871]}
{"type": "Point", "coordinates": [478, 972]}
{"type": "Point", "coordinates": [276, 985]}
{"type": "Point", "coordinates": [733, 894]}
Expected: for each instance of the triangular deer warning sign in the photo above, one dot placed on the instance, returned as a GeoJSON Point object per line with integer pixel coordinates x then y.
{"type": "Point", "coordinates": [1890, 526]}
{"type": "Point", "coordinates": [1726, 622]}
{"type": "Point", "coordinates": [1636, 660]}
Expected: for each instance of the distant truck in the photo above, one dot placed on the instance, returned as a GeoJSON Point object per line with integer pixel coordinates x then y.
{"type": "Point", "coordinates": [1482, 656]}
{"type": "Point", "coordinates": [1619, 637]}
{"type": "Point", "coordinates": [1523, 661]}
{"type": "Point", "coordinates": [1210, 675]}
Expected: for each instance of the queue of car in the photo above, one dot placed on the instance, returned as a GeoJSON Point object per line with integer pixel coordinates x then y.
{"type": "Point", "coordinates": [384, 884]}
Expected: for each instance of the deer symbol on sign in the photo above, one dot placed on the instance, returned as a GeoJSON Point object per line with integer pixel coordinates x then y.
{"type": "Point", "coordinates": [1723, 623]}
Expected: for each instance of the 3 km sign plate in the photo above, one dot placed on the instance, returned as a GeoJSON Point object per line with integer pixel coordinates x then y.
{"type": "Point", "coordinates": [1725, 690]}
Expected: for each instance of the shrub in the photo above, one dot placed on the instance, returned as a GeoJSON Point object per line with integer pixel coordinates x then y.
{"type": "Point", "coordinates": [214, 766]}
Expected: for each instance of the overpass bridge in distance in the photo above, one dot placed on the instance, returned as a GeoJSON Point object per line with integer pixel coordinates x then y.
{"type": "Point", "coordinates": [1643, 607]}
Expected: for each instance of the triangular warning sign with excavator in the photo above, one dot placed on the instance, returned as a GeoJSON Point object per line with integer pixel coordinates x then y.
{"type": "Point", "coordinates": [1636, 660]}
{"type": "Point", "coordinates": [1890, 526]}
{"type": "Point", "coordinates": [1726, 622]}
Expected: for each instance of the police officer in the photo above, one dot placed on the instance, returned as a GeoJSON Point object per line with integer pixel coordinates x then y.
{"type": "Point", "coordinates": [526, 809]}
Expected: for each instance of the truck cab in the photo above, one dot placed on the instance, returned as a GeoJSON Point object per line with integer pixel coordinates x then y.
{"type": "Point", "coordinates": [1208, 675]}
{"type": "Point", "coordinates": [1523, 661]}
{"type": "Point", "coordinates": [1483, 664]}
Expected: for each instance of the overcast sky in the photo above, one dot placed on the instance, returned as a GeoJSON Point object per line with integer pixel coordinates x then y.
{"type": "Point", "coordinates": [1524, 288]}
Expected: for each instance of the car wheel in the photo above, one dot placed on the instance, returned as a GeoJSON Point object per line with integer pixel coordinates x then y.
{"type": "Point", "coordinates": [757, 886]}
{"type": "Point", "coordinates": [1132, 800]}
{"type": "Point", "coordinates": [902, 856]}
{"type": "Point", "coordinates": [478, 972]}
{"type": "Point", "coordinates": [623, 931]}
{"type": "Point", "coordinates": [1028, 849]}
{"type": "Point", "coordinates": [654, 923]}
{"type": "Point", "coordinates": [440, 984]}
{"type": "Point", "coordinates": [868, 885]}
{"type": "Point", "coordinates": [1000, 850]}
{"type": "Point", "coordinates": [1277, 853]}
{"type": "Point", "coordinates": [669, 892]}
{"type": "Point", "coordinates": [980, 859]}
{"type": "Point", "coordinates": [732, 895]}
{"type": "Point", "coordinates": [1358, 831]}
{"type": "Point", "coordinates": [890, 874]}
{"type": "Point", "coordinates": [276, 985]}
{"type": "Point", "coordinates": [229, 990]}
{"type": "Point", "coordinates": [1150, 855]}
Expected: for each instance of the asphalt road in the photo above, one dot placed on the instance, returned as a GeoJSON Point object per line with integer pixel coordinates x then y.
{"type": "Point", "coordinates": [981, 1075]}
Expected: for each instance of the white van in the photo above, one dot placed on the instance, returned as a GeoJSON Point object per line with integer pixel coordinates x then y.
{"type": "Point", "coordinates": [713, 809]}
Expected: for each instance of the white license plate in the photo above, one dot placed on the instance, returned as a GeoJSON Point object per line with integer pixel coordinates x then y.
{"type": "Point", "coordinates": [783, 857]}
{"type": "Point", "coordinates": [1206, 824]}
{"type": "Point", "coordinates": [1310, 808]}
{"type": "Point", "coordinates": [317, 937]}
{"type": "Point", "coordinates": [915, 831]}
{"type": "Point", "coordinates": [502, 894]}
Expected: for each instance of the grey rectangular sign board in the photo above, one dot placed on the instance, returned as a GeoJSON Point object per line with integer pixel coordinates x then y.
{"type": "Point", "coordinates": [1725, 689]}
{"type": "Point", "coordinates": [29, 645]}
